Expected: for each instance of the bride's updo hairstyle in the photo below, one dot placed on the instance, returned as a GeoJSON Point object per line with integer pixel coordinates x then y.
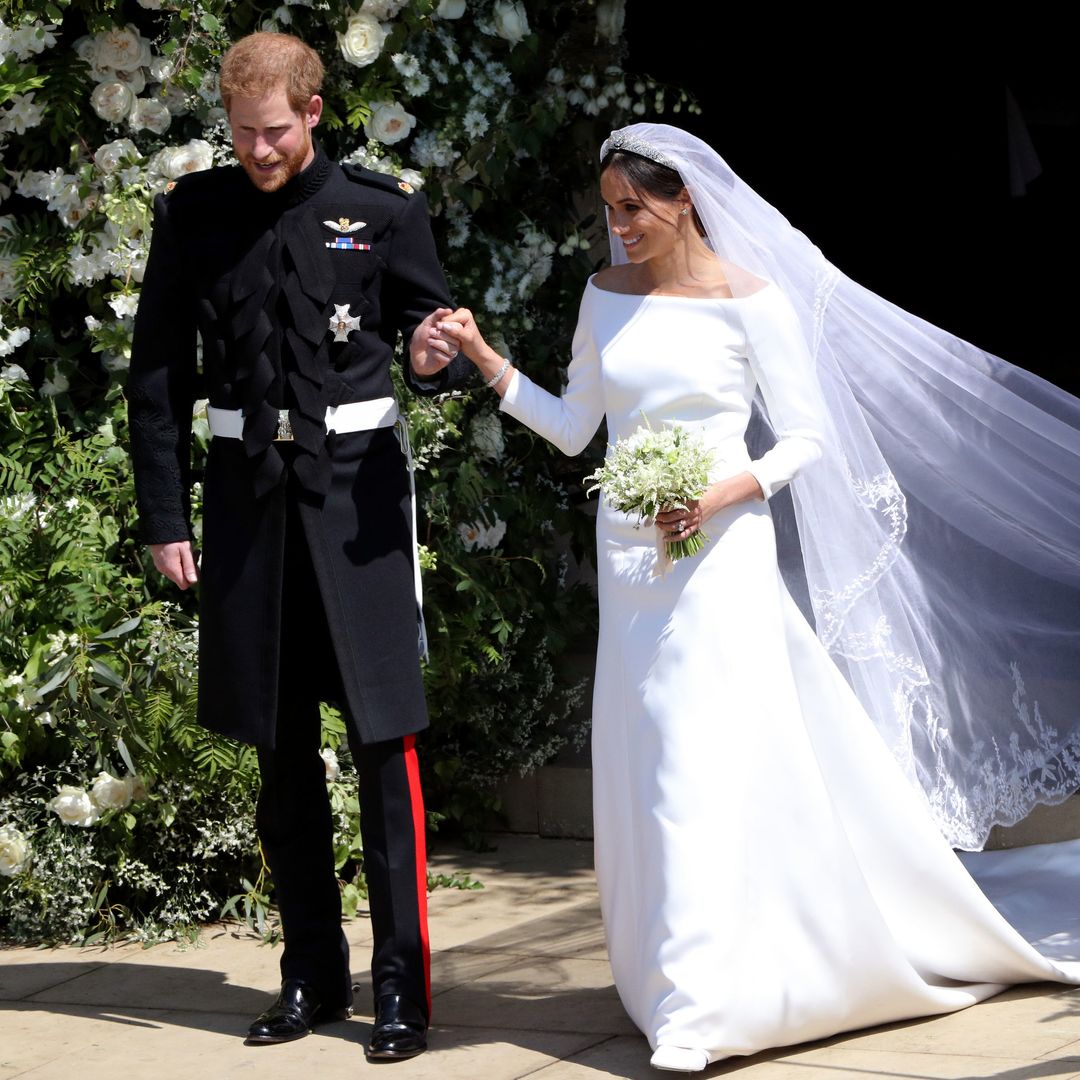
{"type": "Point", "coordinates": [649, 178]}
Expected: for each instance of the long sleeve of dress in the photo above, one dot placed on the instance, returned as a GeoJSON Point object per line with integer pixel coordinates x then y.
{"type": "Point", "coordinates": [784, 372]}
{"type": "Point", "coordinates": [571, 420]}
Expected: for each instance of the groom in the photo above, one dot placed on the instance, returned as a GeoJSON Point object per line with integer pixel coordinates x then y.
{"type": "Point", "coordinates": [298, 275]}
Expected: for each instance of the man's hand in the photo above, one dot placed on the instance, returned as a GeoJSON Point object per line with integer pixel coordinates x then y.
{"type": "Point", "coordinates": [429, 351]}
{"type": "Point", "coordinates": [177, 562]}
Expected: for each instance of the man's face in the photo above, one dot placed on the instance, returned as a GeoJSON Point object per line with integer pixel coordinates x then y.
{"type": "Point", "coordinates": [271, 140]}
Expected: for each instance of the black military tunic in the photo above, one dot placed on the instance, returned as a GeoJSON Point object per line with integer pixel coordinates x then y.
{"type": "Point", "coordinates": [259, 276]}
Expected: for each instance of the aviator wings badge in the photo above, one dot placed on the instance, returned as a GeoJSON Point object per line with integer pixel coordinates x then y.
{"type": "Point", "coordinates": [344, 225]}
{"type": "Point", "coordinates": [344, 240]}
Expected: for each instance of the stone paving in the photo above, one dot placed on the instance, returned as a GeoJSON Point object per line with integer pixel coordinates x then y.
{"type": "Point", "coordinates": [521, 989]}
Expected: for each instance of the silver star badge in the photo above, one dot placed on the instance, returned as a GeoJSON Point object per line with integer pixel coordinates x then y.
{"type": "Point", "coordinates": [342, 323]}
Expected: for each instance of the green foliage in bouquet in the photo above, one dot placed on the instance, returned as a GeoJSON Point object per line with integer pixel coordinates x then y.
{"type": "Point", "coordinates": [118, 814]}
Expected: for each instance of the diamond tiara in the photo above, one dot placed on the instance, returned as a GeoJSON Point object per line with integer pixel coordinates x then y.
{"type": "Point", "coordinates": [620, 140]}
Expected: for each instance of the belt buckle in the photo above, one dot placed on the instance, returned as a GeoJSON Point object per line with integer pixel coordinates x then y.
{"type": "Point", "coordinates": [284, 427]}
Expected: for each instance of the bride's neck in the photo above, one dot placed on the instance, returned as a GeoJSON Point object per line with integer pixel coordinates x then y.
{"type": "Point", "coordinates": [687, 264]}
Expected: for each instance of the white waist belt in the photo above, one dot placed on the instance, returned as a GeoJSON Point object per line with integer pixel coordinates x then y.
{"type": "Point", "coordinates": [353, 416]}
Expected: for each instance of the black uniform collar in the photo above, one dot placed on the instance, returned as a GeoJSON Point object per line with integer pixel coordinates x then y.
{"type": "Point", "coordinates": [304, 184]}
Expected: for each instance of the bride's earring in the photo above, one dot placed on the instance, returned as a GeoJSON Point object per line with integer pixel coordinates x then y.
{"type": "Point", "coordinates": [684, 211]}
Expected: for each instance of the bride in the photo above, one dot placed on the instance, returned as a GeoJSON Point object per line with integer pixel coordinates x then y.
{"type": "Point", "coordinates": [775, 801]}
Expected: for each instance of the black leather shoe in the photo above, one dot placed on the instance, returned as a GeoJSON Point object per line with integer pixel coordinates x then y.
{"type": "Point", "coordinates": [297, 1010]}
{"type": "Point", "coordinates": [400, 1029]}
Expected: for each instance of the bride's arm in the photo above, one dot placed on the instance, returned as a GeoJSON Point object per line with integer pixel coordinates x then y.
{"type": "Point", "coordinates": [781, 365]}
{"type": "Point", "coordinates": [569, 421]}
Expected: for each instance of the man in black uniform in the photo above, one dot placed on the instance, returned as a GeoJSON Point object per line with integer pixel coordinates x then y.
{"type": "Point", "coordinates": [298, 275]}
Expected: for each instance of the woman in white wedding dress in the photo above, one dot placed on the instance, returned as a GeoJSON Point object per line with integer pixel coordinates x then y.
{"type": "Point", "coordinates": [768, 871]}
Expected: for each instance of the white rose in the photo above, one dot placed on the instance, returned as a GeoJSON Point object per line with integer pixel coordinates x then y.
{"type": "Point", "coordinates": [511, 22]}
{"type": "Point", "coordinates": [112, 793]}
{"type": "Point", "coordinates": [174, 98]}
{"type": "Point", "coordinates": [111, 154]}
{"type": "Point", "coordinates": [135, 80]}
{"type": "Point", "coordinates": [610, 16]}
{"type": "Point", "coordinates": [151, 114]}
{"type": "Point", "coordinates": [14, 851]}
{"type": "Point", "coordinates": [162, 68]}
{"type": "Point", "coordinates": [382, 9]}
{"type": "Point", "coordinates": [450, 9]}
{"type": "Point", "coordinates": [389, 122]}
{"type": "Point", "coordinates": [121, 48]}
{"type": "Point", "coordinates": [195, 156]}
{"type": "Point", "coordinates": [112, 101]}
{"type": "Point", "coordinates": [333, 769]}
{"type": "Point", "coordinates": [73, 806]}
{"type": "Point", "coordinates": [363, 39]}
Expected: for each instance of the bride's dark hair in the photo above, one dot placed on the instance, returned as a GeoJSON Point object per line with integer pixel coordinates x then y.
{"type": "Point", "coordinates": [649, 177]}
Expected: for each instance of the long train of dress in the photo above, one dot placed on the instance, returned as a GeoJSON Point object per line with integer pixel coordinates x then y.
{"type": "Point", "coordinates": [767, 874]}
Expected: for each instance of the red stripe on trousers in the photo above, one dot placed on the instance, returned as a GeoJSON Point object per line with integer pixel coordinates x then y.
{"type": "Point", "coordinates": [416, 797]}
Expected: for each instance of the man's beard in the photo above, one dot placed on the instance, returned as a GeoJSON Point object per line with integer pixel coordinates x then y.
{"type": "Point", "coordinates": [279, 177]}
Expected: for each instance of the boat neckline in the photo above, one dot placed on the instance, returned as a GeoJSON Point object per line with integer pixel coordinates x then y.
{"type": "Point", "coordinates": [677, 296]}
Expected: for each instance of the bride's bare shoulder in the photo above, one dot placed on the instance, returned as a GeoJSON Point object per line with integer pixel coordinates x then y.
{"type": "Point", "coordinates": [614, 278]}
{"type": "Point", "coordinates": [741, 281]}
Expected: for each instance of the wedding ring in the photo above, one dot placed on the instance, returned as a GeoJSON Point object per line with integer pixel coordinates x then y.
{"type": "Point", "coordinates": [682, 526]}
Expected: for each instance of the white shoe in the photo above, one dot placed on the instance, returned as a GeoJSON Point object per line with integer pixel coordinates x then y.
{"type": "Point", "coordinates": [679, 1059]}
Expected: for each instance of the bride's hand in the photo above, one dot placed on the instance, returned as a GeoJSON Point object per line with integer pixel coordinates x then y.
{"type": "Point", "coordinates": [460, 329]}
{"type": "Point", "coordinates": [679, 524]}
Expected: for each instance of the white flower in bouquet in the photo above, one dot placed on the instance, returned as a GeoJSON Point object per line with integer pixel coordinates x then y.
{"type": "Point", "coordinates": [363, 39]}
{"type": "Point", "coordinates": [510, 21]}
{"type": "Point", "coordinates": [112, 792]}
{"type": "Point", "coordinates": [450, 9]}
{"type": "Point", "coordinates": [389, 122]}
{"type": "Point", "coordinates": [112, 101]}
{"type": "Point", "coordinates": [330, 761]}
{"type": "Point", "coordinates": [109, 156]}
{"type": "Point", "coordinates": [14, 851]}
{"type": "Point", "coordinates": [150, 114]}
{"type": "Point", "coordinates": [654, 471]}
{"type": "Point", "coordinates": [73, 806]}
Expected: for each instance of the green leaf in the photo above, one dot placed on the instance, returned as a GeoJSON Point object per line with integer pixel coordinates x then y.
{"type": "Point", "coordinates": [210, 23]}
{"type": "Point", "coordinates": [119, 631]}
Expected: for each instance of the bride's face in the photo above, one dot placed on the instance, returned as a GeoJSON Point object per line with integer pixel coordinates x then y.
{"type": "Point", "coordinates": [647, 225]}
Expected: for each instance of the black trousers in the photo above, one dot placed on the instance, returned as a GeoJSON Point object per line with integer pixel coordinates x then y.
{"type": "Point", "coordinates": [296, 828]}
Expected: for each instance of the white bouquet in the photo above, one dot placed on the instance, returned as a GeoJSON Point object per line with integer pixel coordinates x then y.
{"type": "Point", "coordinates": [653, 471]}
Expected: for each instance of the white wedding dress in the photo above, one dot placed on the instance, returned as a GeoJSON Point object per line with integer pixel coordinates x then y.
{"type": "Point", "coordinates": [767, 874]}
